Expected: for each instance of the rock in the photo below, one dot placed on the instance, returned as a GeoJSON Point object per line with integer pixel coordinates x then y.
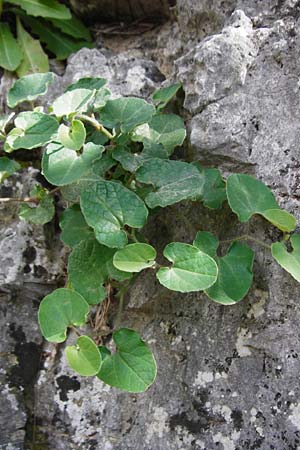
{"type": "Point", "coordinates": [228, 377]}
{"type": "Point", "coordinates": [122, 10]}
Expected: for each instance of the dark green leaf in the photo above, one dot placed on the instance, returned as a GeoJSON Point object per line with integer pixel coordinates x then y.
{"type": "Point", "coordinates": [162, 96]}
{"type": "Point", "coordinates": [39, 214]}
{"type": "Point", "coordinates": [126, 113]}
{"type": "Point", "coordinates": [7, 167]}
{"type": "Point", "coordinates": [174, 180]}
{"type": "Point", "coordinates": [10, 51]}
{"type": "Point", "coordinates": [34, 57]}
{"type": "Point", "coordinates": [74, 227]}
{"type": "Point", "coordinates": [73, 27]}
{"type": "Point", "coordinates": [87, 83]}
{"type": "Point", "coordinates": [108, 207]}
{"type": "Point", "coordinates": [90, 266]}
{"type": "Point", "coordinates": [214, 190]}
{"type": "Point", "coordinates": [165, 129]}
{"type": "Point", "coordinates": [44, 8]}
{"type": "Point", "coordinates": [248, 196]}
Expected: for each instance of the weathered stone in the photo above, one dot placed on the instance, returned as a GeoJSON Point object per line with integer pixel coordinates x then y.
{"type": "Point", "coordinates": [122, 10]}
{"type": "Point", "coordinates": [228, 377]}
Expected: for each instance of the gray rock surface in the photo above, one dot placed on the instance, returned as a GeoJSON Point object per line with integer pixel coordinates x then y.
{"type": "Point", "coordinates": [228, 377]}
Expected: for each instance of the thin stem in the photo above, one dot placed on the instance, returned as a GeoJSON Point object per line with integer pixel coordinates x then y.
{"type": "Point", "coordinates": [95, 124]}
{"type": "Point", "coordinates": [75, 330]}
{"type": "Point", "coordinates": [246, 237]}
{"type": "Point", "coordinates": [120, 308]}
{"type": "Point", "coordinates": [19, 200]}
{"type": "Point", "coordinates": [53, 191]}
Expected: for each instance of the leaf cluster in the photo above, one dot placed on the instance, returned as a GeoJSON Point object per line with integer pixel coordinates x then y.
{"type": "Point", "coordinates": [113, 162]}
{"type": "Point", "coordinates": [29, 27]}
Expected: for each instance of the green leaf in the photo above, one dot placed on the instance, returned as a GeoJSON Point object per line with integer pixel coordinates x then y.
{"type": "Point", "coordinates": [44, 8]}
{"type": "Point", "coordinates": [132, 161]}
{"type": "Point", "coordinates": [34, 57]}
{"type": "Point", "coordinates": [72, 137]}
{"type": "Point", "coordinates": [63, 166]}
{"type": "Point", "coordinates": [10, 51]}
{"type": "Point", "coordinates": [108, 207]}
{"type": "Point", "coordinates": [174, 180]}
{"type": "Point", "coordinates": [87, 83]}
{"type": "Point", "coordinates": [90, 266]}
{"type": "Point", "coordinates": [132, 368]}
{"type": "Point", "coordinates": [214, 190]}
{"type": "Point", "coordinates": [126, 113]}
{"type": "Point", "coordinates": [74, 227]}
{"type": "Point", "coordinates": [73, 27]}
{"type": "Point", "coordinates": [28, 88]}
{"type": "Point", "coordinates": [135, 257]}
{"type": "Point", "coordinates": [290, 261]}
{"type": "Point", "coordinates": [59, 310]}
{"type": "Point", "coordinates": [7, 167]}
{"type": "Point", "coordinates": [101, 98]}
{"type": "Point", "coordinates": [162, 96]}
{"type": "Point", "coordinates": [72, 192]}
{"type": "Point", "coordinates": [72, 101]}
{"type": "Point", "coordinates": [192, 270]}
{"type": "Point", "coordinates": [283, 220]}
{"type": "Point", "coordinates": [165, 129]}
{"type": "Point", "coordinates": [33, 129]}
{"type": "Point", "coordinates": [61, 45]}
{"type": "Point", "coordinates": [84, 357]}
{"type": "Point", "coordinates": [40, 214]}
{"type": "Point", "coordinates": [235, 269]}
{"type": "Point", "coordinates": [206, 242]}
{"type": "Point", "coordinates": [4, 121]}
{"type": "Point", "coordinates": [248, 196]}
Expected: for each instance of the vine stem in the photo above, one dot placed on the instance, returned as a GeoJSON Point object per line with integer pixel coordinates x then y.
{"type": "Point", "coordinates": [75, 330]}
{"type": "Point", "coordinates": [96, 124]}
{"type": "Point", "coordinates": [120, 308]}
{"type": "Point", "coordinates": [246, 237]}
{"type": "Point", "coordinates": [19, 200]}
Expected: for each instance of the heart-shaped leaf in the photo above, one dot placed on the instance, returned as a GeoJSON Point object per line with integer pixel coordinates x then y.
{"type": "Point", "coordinates": [84, 357]}
{"type": "Point", "coordinates": [290, 261]}
{"type": "Point", "coordinates": [7, 167]}
{"type": "Point", "coordinates": [248, 196]}
{"type": "Point", "coordinates": [235, 269]}
{"type": "Point", "coordinates": [74, 227]}
{"type": "Point", "coordinates": [192, 270]}
{"type": "Point", "coordinates": [126, 113]}
{"type": "Point", "coordinates": [90, 266]}
{"type": "Point", "coordinates": [135, 257]}
{"type": "Point", "coordinates": [63, 166]}
{"type": "Point", "coordinates": [162, 96]}
{"type": "Point", "coordinates": [107, 207]}
{"type": "Point", "coordinates": [28, 88]}
{"type": "Point", "coordinates": [175, 181]}
{"type": "Point", "coordinates": [132, 368]}
{"type": "Point", "coordinates": [59, 310]}
{"type": "Point", "coordinates": [33, 129]}
{"type": "Point", "coordinates": [165, 129]}
{"type": "Point", "coordinates": [71, 102]}
{"type": "Point", "coordinates": [72, 137]}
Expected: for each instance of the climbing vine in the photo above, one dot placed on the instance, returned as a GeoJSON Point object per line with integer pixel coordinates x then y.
{"type": "Point", "coordinates": [111, 161]}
